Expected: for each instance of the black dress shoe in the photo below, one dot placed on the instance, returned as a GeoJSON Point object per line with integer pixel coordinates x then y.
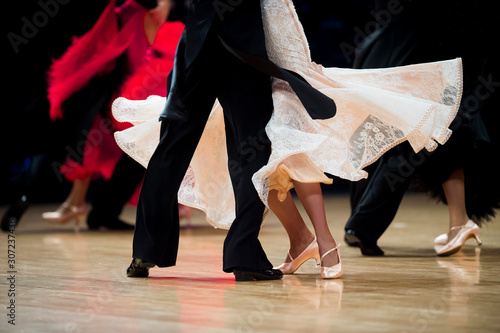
{"type": "Point", "coordinates": [139, 268]}
{"type": "Point", "coordinates": [244, 274]}
{"type": "Point", "coordinates": [96, 222]}
{"type": "Point", "coordinates": [367, 248]}
{"type": "Point", "coordinates": [13, 214]}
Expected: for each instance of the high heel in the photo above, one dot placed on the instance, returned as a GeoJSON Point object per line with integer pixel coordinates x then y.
{"type": "Point", "coordinates": [469, 230]}
{"type": "Point", "coordinates": [311, 251]}
{"type": "Point", "coordinates": [335, 271]}
{"type": "Point", "coordinates": [66, 214]}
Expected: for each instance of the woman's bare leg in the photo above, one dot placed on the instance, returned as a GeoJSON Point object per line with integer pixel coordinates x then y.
{"type": "Point", "coordinates": [78, 192]}
{"type": "Point", "coordinates": [299, 234]}
{"type": "Point", "coordinates": [311, 197]}
{"type": "Point", "coordinates": [454, 190]}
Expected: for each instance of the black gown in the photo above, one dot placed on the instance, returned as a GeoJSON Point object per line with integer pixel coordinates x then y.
{"type": "Point", "coordinates": [426, 31]}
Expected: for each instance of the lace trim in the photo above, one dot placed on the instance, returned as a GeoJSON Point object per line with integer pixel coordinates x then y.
{"type": "Point", "coordinates": [445, 132]}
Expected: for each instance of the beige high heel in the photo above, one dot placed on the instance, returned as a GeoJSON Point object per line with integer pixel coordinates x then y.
{"type": "Point", "coordinates": [335, 271]}
{"type": "Point", "coordinates": [311, 251]}
{"type": "Point", "coordinates": [66, 214]}
{"type": "Point", "coordinates": [469, 230]}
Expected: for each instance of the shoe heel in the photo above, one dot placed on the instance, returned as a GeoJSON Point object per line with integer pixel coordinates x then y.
{"type": "Point", "coordinates": [318, 260]}
{"type": "Point", "coordinates": [311, 251]}
{"type": "Point", "coordinates": [476, 237]}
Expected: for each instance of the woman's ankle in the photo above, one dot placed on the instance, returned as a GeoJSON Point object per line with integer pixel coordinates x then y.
{"type": "Point", "coordinates": [326, 243]}
{"type": "Point", "coordinates": [299, 244]}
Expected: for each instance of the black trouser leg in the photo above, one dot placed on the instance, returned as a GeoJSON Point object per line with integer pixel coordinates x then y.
{"type": "Point", "coordinates": [381, 199]}
{"type": "Point", "coordinates": [358, 188]}
{"type": "Point", "coordinates": [247, 104]}
{"type": "Point", "coordinates": [156, 235]}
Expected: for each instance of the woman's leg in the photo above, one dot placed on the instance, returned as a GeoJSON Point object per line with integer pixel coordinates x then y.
{"type": "Point", "coordinates": [78, 192]}
{"type": "Point", "coordinates": [311, 197]}
{"type": "Point", "coordinates": [299, 234]}
{"type": "Point", "coordinates": [454, 191]}
{"type": "Point", "coordinates": [76, 197]}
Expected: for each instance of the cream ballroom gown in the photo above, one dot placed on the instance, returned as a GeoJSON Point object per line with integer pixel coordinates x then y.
{"type": "Point", "coordinates": [376, 110]}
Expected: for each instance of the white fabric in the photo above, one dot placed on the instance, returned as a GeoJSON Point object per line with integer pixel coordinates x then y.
{"type": "Point", "coordinates": [376, 110]}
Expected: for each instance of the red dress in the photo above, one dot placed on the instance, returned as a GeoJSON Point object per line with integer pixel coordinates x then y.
{"type": "Point", "coordinates": [95, 54]}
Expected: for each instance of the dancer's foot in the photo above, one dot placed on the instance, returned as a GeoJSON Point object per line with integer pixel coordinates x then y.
{"type": "Point", "coordinates": [329, 259]}
{"type": "Point", "coordinates": [245, 274]}
{"type": "Point", "coordinates": [65, 213]}
{"type": "Point", "coordinates": [139, 268]}
{"type": "Point", "coordinates": [353, 238]}
{"type": "Point", "coordinates": [331, 264]}
{"type": "Point", "coordinates": [297, 247]}
{"type": "Point", "coordinates": [457, 236]}
{"type": "Point", "coordinates": [293, 263]}
{"type": "Point", "coordinates": [441, 240]}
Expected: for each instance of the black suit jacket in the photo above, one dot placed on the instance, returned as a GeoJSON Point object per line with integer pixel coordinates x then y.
{"type": "Point", "coordinates": [238, 25]}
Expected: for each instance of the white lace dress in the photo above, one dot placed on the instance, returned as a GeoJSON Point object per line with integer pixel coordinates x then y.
{"type": "Point", "coordinates": [376, 110]}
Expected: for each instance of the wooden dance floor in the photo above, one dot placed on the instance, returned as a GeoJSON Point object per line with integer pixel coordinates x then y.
{"type": "Point", "coordinates": [75, 282]}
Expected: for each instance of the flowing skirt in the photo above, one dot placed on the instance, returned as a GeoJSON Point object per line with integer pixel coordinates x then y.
{"type": "Point", "coordinates": [376, 110]}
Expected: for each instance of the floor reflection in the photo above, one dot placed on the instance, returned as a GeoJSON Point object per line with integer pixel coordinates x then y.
{"type": "Point", "coordinates": [297, 303]}
{"type": "Point", "coordinates": [464, 274]}
{"type": "Point", "coordinates": [315, 293]}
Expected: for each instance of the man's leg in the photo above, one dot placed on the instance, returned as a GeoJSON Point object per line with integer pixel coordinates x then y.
{"type": "Point", "coordinates": [156, 235]}
{"type": "Point", "coordinates": [378, 205]}
{"type": "Point", "coordinates": [247, 103]}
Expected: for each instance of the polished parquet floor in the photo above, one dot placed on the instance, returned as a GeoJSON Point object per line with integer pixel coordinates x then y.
{"type": "Point", "coordinates": [75, 282]}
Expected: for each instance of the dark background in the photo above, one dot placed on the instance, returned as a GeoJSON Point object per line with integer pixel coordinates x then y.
{"type": "Point", "coordinates": [27, 133]}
